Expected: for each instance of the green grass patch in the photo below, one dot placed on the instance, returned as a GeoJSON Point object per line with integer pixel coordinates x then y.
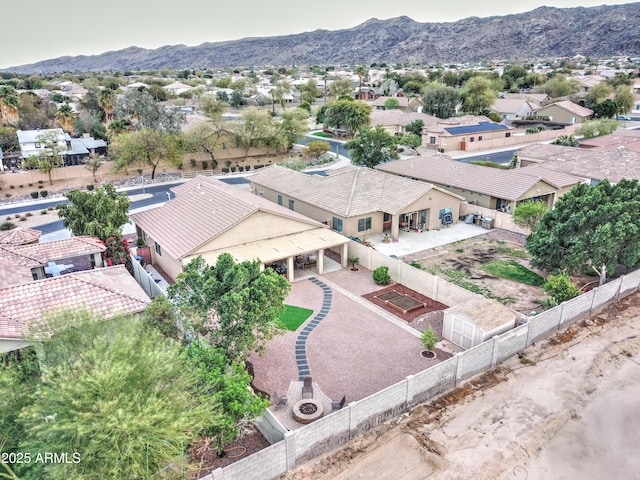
{"type": "Point", "coordinates": [322, 134]}
{"type": "Point", "coordinates": [512, 270]}
{"type": "Point", "coordinates": [293, 317]}
{"type": "Point", "coordinates": [492, 165]}
{"type": "Point", "coordinates": [512, 252]}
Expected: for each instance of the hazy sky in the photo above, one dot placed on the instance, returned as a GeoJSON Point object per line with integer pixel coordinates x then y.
{"type": "Point", "coordinates": [42, 29]}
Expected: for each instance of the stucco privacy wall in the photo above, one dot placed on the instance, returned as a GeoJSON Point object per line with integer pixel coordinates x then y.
{"type": "Point", "coordinates": [422, 282]}
{"type": "Point", "coordinates": [500, 220]}
{"type": "Point", "coordinates": [336, 429]}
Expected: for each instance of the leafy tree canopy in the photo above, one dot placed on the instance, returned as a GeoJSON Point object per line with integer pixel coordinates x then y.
{"type": "Point", "coordinates": [597, 128]}
{"type": "Point", "coordinates": [142, 110]}
{"type": "Point", "coordinates": [102, 212]}
{"type": "Point", "coordinates": [372, 146]}
{"type": "Point", "coordinates": [235, 305]}
{"type": "Point", "coordinates": [478, 95]}
{"type": "Point", "coordinates": [591, 227]}
{"type": "Point", "coordinates": [146, 147]}
{"type": "Point", "coordinates": [349, 115]}
{"type": "Point", "coordinates": [440, 100]}
{"type": "Point", "coordinates": [529, 214]}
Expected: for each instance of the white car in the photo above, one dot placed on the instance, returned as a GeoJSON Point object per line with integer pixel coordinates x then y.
{"type": "Point", "coordinates": [623, 117]}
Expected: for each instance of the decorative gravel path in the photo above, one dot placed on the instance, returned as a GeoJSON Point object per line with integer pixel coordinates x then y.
{"type": "Point", "coordinates": [301, 341]}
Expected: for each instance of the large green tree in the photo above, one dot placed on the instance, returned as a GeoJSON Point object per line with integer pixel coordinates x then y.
{"type": "Point", "coordinates": [478, 94]}
{"type": "Point", "coordinates": [122, 399]}
{"type": "Point", "coordinates": [146, 147]}
{"type": "Point", "coordinates": [597, 128]}
{"type": "Point", "coordinates": [340, 87]}
{"type": "Point", "coordinates": [142, 110]}
{"type": "Point", "coordinates": [9, 105]}
{"type": "Point", "coordinates": [591, 227]}
{"type": "Point", "coordinates": [372, 146]}
{"type": "Point", "coordinates": [309, 91]}
{"type": "Point", "coordinates": [624, 98]}
{"type": "Point", "coordinates": [440, 100]}
{"type": "Point", "coordinates": [205, 137]}
{"type": "Point", "coordinates": [51, 155]}
{"type": "Point", "coordinates": [529, 214]}
{"type": "Point", "coordinates": [349, 115]}
{"type": "Point", "coordinates": [253, 129]}
{"type": "Point", "coordinates": [235, 305]}
{"type": "Point", "coordinates": [293, 124]}
{"type": "Point", "coordinates": [102, 212]}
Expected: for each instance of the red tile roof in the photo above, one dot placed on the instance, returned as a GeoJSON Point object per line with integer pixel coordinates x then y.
{"type": "Point", "coordinates": [19, 236]}
{"type": "Point", "coordinates": [106, 291]}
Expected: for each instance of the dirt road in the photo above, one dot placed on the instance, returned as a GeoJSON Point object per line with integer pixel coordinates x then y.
{"type": "Point", "coordinates": [568, 409]}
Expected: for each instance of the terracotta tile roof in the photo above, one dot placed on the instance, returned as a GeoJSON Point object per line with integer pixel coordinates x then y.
{"type": "Point", "coordinates": [612, 164]}
{"type": "Point", "coordinates": [616, 139]}
{"type": "Point", "coordinates": [553, 177]}
{"type": "Point", "coordinates": [19, 236]}
{"type": "Point", "coordinates": [106, 291]}
{"type": "Point", "coordinates": [57, 249]}
{"type": "Point", "coordinates": [442, 170]}
{"type": "Point", "coordinates": [570, 107]}
{"type": "Point", "coordinates": [12, 272]}
{"type": "Point", "coordinates": [202, 209]}
{"type": "Point", "coordinates": [398, 117]}
{"type": "Point", "coordinates": [348, 192]}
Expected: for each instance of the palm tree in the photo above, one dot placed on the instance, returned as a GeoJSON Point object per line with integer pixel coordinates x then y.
{"type": "Point", "coordinates": [66, 117]}
{"type": "Point", "coordinates": [107, 99]}
{"type": "Point", "coordinates": [361, 71]}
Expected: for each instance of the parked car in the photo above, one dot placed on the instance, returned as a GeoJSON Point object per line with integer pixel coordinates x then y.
{"type": "Point", "coordinates": [623, 117]}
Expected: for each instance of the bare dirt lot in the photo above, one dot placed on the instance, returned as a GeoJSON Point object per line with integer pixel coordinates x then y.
{"type": "Point", "coordinates": [566, 409]}
{"type": "Point", "coordinates": [464, 263]}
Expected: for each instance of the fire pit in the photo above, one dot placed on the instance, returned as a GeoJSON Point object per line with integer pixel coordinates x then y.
{"type": "Point", "coordinates": [307, 410]}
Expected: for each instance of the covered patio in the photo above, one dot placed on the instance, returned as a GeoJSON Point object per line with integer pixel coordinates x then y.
{"type": "Point", "coordinates": [297, 256]}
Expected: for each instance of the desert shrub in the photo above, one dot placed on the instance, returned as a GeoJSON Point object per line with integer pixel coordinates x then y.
{"type": "Point", "coordinates": [205, 165]}
{"type": "Point", "coordinates": [7, 226]}
{"type": "Point", "coordinates": [256, 167]}
{"type": "Point", "coordinates": [34, 194]}
{"type": "Point", "coordinates": [30, 184]}
{"type": "Point", "coordinates": [7, 195]}
{"type": "Point", "coordinates": [240, 168]}
{"type": "Point", "coordinates": [381, 276]}
{"type": "Point", "coordinates": [29, 214]}
{"type": "Point", "coordinates": [43, 212]}
{"type": "Point", "coordinates": [23, 218]}
{"type": "Point", "coordinates": [90, 187]}
{"type": "Point", "coordinates": [560, 288]}
{"type": "Point", "coordinates": [8, 219]}
{"type": "Point", "coordinates": [192, 162]}
{"type": "Point", "coordinates": [17, 215]}
{"type": "Point", "coordinates": [43, 193]}
{"type": "Point", "coordinates": [233, 169]}
{"type": "Point", "coordinates": [224, 170]}
{"type": "Point", "coordinates": [12, 187]}
{"type": "Point", "coordinates": [247, 167]}
{"type": "Point", "coordinates": [416, 264]}
{"type": "Point", "coordinates": [429, 338]}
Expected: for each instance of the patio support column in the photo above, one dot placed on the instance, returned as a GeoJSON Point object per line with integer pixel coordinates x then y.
{"type": "Point", "coordinates": [290, 272]}
{"type": "Point", "coordinates": [344, 257]}
{"type": "Point", "coordinates": [395, 226]}
{"type": "Point", "coordinates": [320, 261]}
{"type": "Point", "coordinates": [97, 259]}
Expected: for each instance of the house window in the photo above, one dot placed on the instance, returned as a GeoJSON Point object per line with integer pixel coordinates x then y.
{"type": "Point", "coordinates": [291, 204]}
{"type": "Point", "coordinates": [507, 135]}
{"type": "Point", "coordinates": [479, 138]}
{"type": "Point", "coordinates": [336, 224]}
{"type": "Point", "coordinates": [386, 217]}
{"type": "Point", "coordinates": [37, 144]}
{"type": "Point", "coordinates": [158, 249]}
{"type": "Point", "coordinates": [364, 224]}
{"type": "Point", "coordinates": [432, 140]}
{"type": "Point", "coordinates": [471, 139]}
{"type": "Point", "coordinates": [279, 199]}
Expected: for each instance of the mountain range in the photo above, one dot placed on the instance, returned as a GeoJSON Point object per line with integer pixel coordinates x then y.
{"type": "Point", "coordinates": [546, 32]}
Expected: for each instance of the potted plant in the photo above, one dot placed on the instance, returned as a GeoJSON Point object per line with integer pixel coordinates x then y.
{"type": "Point", "coordinates": [429, 340]}
{"type": "Point", "coordinates": [354, 261]}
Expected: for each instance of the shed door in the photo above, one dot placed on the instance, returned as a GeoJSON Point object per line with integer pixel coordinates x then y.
{"type": "Point", "coordinates": [462, 333]}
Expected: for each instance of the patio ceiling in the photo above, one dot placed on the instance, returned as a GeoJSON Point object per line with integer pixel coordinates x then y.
{"type": "Point", "coordinates": [278, 248]}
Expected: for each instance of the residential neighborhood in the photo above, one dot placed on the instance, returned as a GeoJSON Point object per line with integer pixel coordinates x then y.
{"type": "Point", "coordinates": [309, 254]}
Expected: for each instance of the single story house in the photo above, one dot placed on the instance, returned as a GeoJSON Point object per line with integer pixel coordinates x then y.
{"type": "Point", "coordinates": [109, 291]}
{"type": "Point", "coordinates": [591, 165]}
{"type": "Point", "coordinates": [358, 201]}
{"type": "Point", "coordinates": [487, 187]}
{"type": "Point", "coordinates": [406, 104]}
{"type": "Point", "coordinates": [564, 111]}
{"type": "Point", "coordinates": [510, 109]}
{"type": "Point", "coordinates": [176, 88]}
{"type": "Point", "coordinates": [208, 217]}
{"type": "Point", "coordinates": [72, 150]}
{"type": "Point", "coordinates": [395, 121]}
{"type": "Point", "coordinates": [454, 133]}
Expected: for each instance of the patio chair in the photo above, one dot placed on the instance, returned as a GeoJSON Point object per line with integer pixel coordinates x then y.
{"type": "Point", "coordinates": [281, 401]}
{"type": "Point", "coordinates": [307, 388]}
{"type": "Point", "coordinates": [340, 404]}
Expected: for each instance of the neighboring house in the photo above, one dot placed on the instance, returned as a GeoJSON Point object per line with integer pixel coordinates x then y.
{"type": "Point", "coordinates": [564, 111]}
{"type": "Point", "coordinates": [484, 186]}
{"type": "Point", "coordinates": [395, 121]}
{"type": "Point", "coordinates": [539, 99]}
{"type": "Point", "coordinates": [588, 81]}
{"type": "Point", "coordinates": [511, 109]}
{"type": "Point", "coordinates": [620, 138]}
{"type": "Point", "coordinates": [591, 165]}
{"type": "Point", "coordinates": [358, 201]}
{"type": "Point", "coordinates": [134, 86]}
{"type": "Point", "coordinates": [108, 291]}
{"type": "Point", "coordinates": [30, 141]}
{"type": "Point", "coordinates": [21, 262]}
{"type": "Point", "coordinates": [406, 104]}
{"type": "Point", "coordinates": [73, 150]}
{"type": "Point", "coordinates": [208, 217]}
{"type": "Point", "coordinates": [454, 133]}
{"type": "Point", "coordinates": [19, 236]}
{"type": "Point", "coordinates": [176, 88]}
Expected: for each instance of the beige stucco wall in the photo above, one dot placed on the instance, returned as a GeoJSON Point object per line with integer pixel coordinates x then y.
{"type": "Point", "coordinates": [435, 201]}
{"type": "Point", "coordinates": [169, 264]}
{"type": "Point", "coordinates": [557, 114]}
{"type": "Point", "coordinates": [258, 226]}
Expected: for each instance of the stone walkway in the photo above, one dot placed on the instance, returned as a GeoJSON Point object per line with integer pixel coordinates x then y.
{"type": "Point", "coordinates": [301, 341]}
